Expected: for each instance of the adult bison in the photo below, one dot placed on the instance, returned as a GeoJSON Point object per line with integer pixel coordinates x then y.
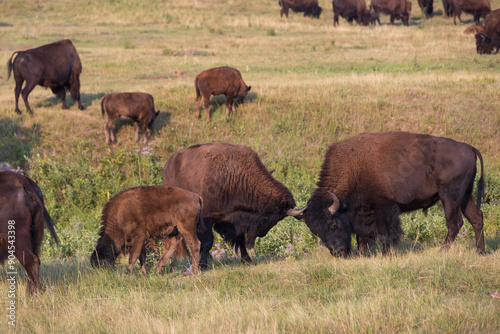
{"type": "Point", "coordinates": [308, 7]}
{"type": "Point", "coordinates": [373, 177]}
{"type": "Point", "coordinates": [351, 10]}
{"type": "Point", "coordinates": [427, 7]}
{"type": "Point", "coordinates": [478, 8]}
{"type": "Point", "coordinates": [397, 9]}
{"type": "Point", "coordinates": [56, 65]}
{"type": "Point", "coordinates": [133, 216]}
{"type": "Point", "coordinates": [488, 41]}
{"type": "Point", "coordinates": [138, 107]}
{"type": "Point", "coordinates": [241, 200]}
{"type": "Point", "coordinates": [220, 81]}
{"type": "Point", "coordinates": [22, 215]}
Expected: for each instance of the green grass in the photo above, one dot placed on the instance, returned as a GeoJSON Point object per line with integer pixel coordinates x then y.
{"type": "Point", "coordinates": [312, 84]}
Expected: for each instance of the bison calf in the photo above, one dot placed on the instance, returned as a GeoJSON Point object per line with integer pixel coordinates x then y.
{"type": "Point", "coordinates": [219, 81]}
{"type": "Point", "coordinates": [56, 66]}
{"type": "Point", "coordinates": [138, 107]}
{"type": "Point", "coordinates": [133, 216]}
{"type": "Point", "coordinates": [22, 215]}
{"type": "Point", "coordinates": [308, 7]}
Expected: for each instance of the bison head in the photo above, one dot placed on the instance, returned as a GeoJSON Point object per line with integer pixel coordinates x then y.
{"type": "Point", "coordinates": [105, 252]}
{"type": "Point", "coordinates": [243, 93]}
{"type": "Point", "coordinates": [152, 120]}
{"type": "Point", "coordinates": [483, 43]}
{"type": "Point", "coordinates": [327, 217]}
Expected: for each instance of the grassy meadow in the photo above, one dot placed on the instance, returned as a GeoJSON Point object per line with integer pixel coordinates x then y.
{"type": "Point", "coordinates": [312, 84]}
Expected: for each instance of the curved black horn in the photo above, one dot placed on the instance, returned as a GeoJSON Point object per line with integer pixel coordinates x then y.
{"type": "Point", "coordinates": [336, 204]}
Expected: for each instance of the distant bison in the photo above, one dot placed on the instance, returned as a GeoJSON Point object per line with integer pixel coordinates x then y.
{"type": "Point", "coordinates": [55, 65]}
{"type": "Point", "coordinates": [308, 7]}
{"type": "Point", "coordinates": [133, 216]}
{"type": "Point", "coordinates": [218, 81]}
{"type": "Point", "coordinates": [427, 7]}
{"type": "Point", "coordinates": [138, 107]}
{"type": "Point", "coordinates": [22, 215]}
{"type": "Point", "coordinates": [374, 177]}
{"type": "Point", "coordinates": [241, 199]}
{"type": "Point", "coordinates": [351, 10]}
{"type": "Point", "coordinates": [474, 29]}
{"type": "Point", "coordinates": [478, 8]}
{"type": "Point", "coordinates": [488, 41]}
{"type": "Point", "coordinates": [397, 9]}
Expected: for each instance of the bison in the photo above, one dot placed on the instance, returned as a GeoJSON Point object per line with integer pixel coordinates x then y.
{"type": "Point", "coordinates": [488, 41]}
{"type": "Point", "coordinates": [133, 216]}
{"type": "Point", "coordinates": [351, 10]}
{"type": "Point", "coordinates": [242, 201]}
{"type": "Point", "coordinates": [217, 81]}
{"type": "Point", "coordinates": [427, 7]}
{"type": "Point", "coordinates": [138, 107]}
{"type": "Point", "coordinates": [397, 9]}
{"type": "Point", "coordinates": [373, 177]}
{"type": "Point", "coordinates": [22, 218]}
{"type": "Point", "coordinates": [478, 8]}
{"type": "Point", "coordinates": [56, 65]}
{"type": "Point", "coordinates": [308, 7]}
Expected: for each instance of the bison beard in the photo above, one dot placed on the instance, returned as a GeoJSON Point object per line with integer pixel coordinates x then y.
{"type": "Point", "coordinates": [377, 176]}
{"type": "Point", "coordinates": [56, 66]}
{"type": "Point", "coordinates": [241, 200]}
{"type": "Point", "coordinates": [21, 201]}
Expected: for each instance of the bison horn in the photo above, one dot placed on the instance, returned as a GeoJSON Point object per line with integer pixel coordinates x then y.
{"type": "Point", "coordinates": [295, 213]}
{"type": "Point", "coordinates": [336, 204]}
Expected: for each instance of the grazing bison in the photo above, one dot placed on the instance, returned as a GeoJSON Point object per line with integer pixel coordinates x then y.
{"type": "Point", "coordinates": [373, 177]}
{"type": "Point", "coordinates": [488, 41]}
{"type": "Point", "coordinates": [397, 9]}
{"type": "Point", "coordinates": [241, 200]}
{"type": "Point", "coordinates": [133, 216]}
{"type": "Point", "coordinates": [308, 7]}
{"type": "Point", "coordinates": [22, 215]}
{"type": "Point", "coordinates": [351, 10]}
{"type": "Point", "coordinates": [56, 65]}
{"type": "Point", "coordinates": [478, 8]}
{"type": "Point", "coordinates": [217, 81]}
{"type": "Point", "coordinates": [427, 7]}
{"type": "Point", "coordinates": [138, 107]}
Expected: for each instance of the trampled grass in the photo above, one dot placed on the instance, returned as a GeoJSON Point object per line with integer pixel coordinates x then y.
{"type": "Point", "coordinates": [312, 84]}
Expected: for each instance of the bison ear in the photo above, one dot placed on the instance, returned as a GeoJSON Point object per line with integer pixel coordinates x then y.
{"type": "Point", "coordinates": [249, 87]}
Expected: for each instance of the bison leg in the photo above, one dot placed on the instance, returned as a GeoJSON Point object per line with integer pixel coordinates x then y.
{"type": "Point", "coordinates": [229, 102]}
{"type": "Point", "coordinates": [167, 253]}
{"type": "Point", "coordinates": [240, 242]}
{"type": "Point", "coordinates": [60, 92]}
{"type": "Point", "coordinates": [206, 103]}
{"type": "Point", "coordinates": [388, 227]}
{"type": "Point", "coordinates": [136, 128]}
{"type": "Point", "coordinates": [75, 92]}
{"type": "Point", "coordinates": [194, 245]}
{"type": "Point", "coordinates": [454, 220]}
{"type": "Point", "coordinates": [135, 252]}
{"type": "Point", "coordinates": [17, 91]}
{"type": "Point", "coordinates": [207, 240]}
{"type": "Point", "coordinates": [142, 261]}
{"type": "Point", "coordinates": [145, 132]}
{"type": "Point", "coordinates": [31, 264]}
{"type": "Point", "coordinates": [475, 217]}
{"type": "Point", "coordinates": [108, 131]}
{"type": "Point", "coordinates": [365, 245]}
{"type": "Point", "coordinates": [26, 91]}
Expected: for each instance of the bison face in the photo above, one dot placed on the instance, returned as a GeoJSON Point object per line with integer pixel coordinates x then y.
{"type": "Point", "coordinates": [483, 44]}
{"type": "Point", "coordinates": [105, 252]}
{"type": "Point", "coordinates": [152, 120]}
{"type": "Point", "coordinates": [243, 94]}
{"type": "Point", "coordinates": [330, 222]}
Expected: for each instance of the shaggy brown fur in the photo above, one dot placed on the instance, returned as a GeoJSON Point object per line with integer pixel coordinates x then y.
{"type": "Point", "coordinates": [21, 203]}
{"type": "Point", "coordinates": [351, 10]}
{"type": "Point", "coordinates": [138, 107]}
{"type": "Point", "coordinates": [241, 198]}
{"type": "Point", "coordinates": [55, 65]}
{"type": "Point", "coordinates": [397, 9]}
{"type": "Point", "coordinates": [478, 8]}
{"type": "Point", "coordinates": [488, 41]}
{"type": "Point", "coordinates": [308, 7]}
{"type": "Point", "coordinates": [219, 81]}
{"type": "Point", "coordinates": [133, 216]}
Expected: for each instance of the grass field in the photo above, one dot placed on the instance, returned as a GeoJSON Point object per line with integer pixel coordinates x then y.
{"type": "Point", "coordinates": [312, 84]}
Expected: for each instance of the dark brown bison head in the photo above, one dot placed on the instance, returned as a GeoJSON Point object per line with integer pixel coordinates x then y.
{"type": "Point", "coordinates": [483, 43]}
{"type": "Point", "coordinates": [105, 253]}
{"type": "Point", "coordinates": [243, 93]}
{"type": "Point", "coordinates": [316, 12]}
{"type": "Point", "coordinates": [152, 120]}
{"type": "Point", "coordinates": [328, 218]}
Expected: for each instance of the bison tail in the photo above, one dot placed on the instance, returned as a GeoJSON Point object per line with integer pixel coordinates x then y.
{"type": "Point", "coordinates": [50, 224]}
{"type": "Point", "coordinates": [480, 183]}
{"type": "Point", "coordinates": [102, 106]}
{"type": "Point", "coordinates": [198, 93]}
{"type": "Point", "coordinates": [10, 65]}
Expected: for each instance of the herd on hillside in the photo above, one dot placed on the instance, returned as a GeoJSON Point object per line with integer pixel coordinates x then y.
{"type": "Point", "coordinates": [364, 184]}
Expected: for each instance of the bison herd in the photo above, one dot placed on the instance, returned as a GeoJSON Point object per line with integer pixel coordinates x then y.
{"type": "Point", "coordinates": [365, 182]}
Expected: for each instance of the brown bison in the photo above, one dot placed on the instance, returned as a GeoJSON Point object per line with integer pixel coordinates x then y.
{"type": "Point", "coordinates": [22, 215]}
{"type": "Point", "coordinates": [474, 29]}
{"type": "Point", "coordinates": [308, 7]}
{"type": "Point", "coordinates": [56, 65]}
{"type": "Point", "coordinates": [397, 9]}
{"type": "Point", "coordinates": [217, 81]}
{"type": "Point", "coordinates": [133, 216]}
{"type": "Point", "coordinates": [241, 199]}
{"type": "Point", "coordinates": [138, 107]}
{"type": "Point", "coordinates": [351, 10]}
{"type": "Point", "coordinates": [427, 7]}
{"type": "Point", "coordinates": [373, 177]}
{"type": "Point", "coordinates": [478, 8]}
{"type": "Point", "coordinates": [488, 41]}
